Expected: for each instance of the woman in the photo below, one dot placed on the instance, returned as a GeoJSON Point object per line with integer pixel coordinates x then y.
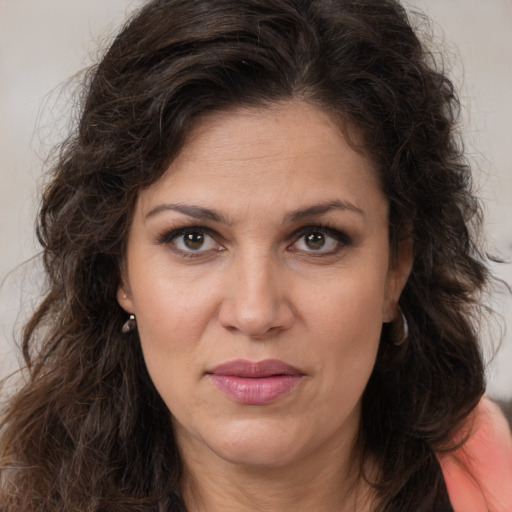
{"type": "Point", "coordinates": [262, 272]}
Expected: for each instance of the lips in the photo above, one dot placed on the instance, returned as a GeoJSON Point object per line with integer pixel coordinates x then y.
{"type": "Point", "coordinates": [255, 383]}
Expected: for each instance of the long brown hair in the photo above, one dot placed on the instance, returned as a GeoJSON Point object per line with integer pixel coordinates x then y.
{"type": "Point", "coordinates": [88, 431]}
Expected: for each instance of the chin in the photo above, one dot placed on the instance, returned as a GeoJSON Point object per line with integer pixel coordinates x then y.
{"type": "Point", "coordinates": [255, 444]}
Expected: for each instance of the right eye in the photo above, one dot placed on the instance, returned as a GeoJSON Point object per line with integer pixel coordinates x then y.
{"type": "Point", "coordinates": [191, 241]}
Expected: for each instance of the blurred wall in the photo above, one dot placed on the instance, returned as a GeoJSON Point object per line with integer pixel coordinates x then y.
{"type": "Point", "coordinates": [43, 43]}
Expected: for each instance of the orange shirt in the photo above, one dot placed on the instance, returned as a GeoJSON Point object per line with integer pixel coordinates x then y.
{"type": "Point", "coordinates": [478, 475]}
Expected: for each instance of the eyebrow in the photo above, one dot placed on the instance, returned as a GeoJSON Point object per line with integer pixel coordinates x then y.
{"type": "Point", "coordinates": [320, 209]}
{"type": "Point", "coordinates": [200, 213]}
{"type": "Point", "coordinates": [197, 212]}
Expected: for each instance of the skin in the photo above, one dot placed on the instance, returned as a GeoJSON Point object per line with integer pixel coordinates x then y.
{"type": "Point", "coordinates": [257, 289]}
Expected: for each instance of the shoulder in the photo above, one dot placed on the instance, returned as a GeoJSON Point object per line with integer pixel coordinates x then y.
{"type": "Point", "coordinates": [479, 474]}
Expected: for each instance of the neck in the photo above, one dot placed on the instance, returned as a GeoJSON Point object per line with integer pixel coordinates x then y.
{"type": "Point", "coordinates": [325, 482]}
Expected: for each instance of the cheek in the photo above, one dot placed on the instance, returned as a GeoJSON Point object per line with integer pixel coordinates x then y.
{"type": "Point", "coordinates": [172, 317]}
{"type": "Point", "coordinates": [173, 325]}
{"type": "Point", "coordinates": [347, 325]}
{"type": "Point", "coordinates": [170, 338]}
{"type": "Point", "coordinates": [170, 304]}
{"type": "Point", "coordinates": [350, 304]}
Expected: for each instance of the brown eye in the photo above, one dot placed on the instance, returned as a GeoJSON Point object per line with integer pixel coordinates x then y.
{"type": "Point", "coordinates": [194, 240]}
{"type": "Point", "coordinates": [191, 240]}
{"type": "Point", "coordinates": [315, 240]}
{"type": "Point", "coordinates": [319, 240]}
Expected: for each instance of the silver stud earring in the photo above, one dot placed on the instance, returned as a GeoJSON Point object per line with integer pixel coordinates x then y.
{"type": "Point", "coordinates": [129, 325]}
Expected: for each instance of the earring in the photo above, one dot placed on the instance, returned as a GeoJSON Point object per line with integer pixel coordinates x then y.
{"type": "Point", "coordinates": [129, 325]}
{"type": "Point", "coordinates": [401, 331]}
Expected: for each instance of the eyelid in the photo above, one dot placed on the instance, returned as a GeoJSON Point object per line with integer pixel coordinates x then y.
{"type": "Point", "coordinates": [167, 237]}
{"type": "Point", "coordinates": [341, 237]}
{"type": "Point", "coordinates": [169, 234]}
{"type": "Point", "coordinates": [333, 232]}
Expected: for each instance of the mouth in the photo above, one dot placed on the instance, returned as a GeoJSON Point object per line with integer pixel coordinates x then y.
{"type": "Point", "coordinates": [255, 383]}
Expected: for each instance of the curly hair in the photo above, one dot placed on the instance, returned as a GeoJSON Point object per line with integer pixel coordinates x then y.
{"type": "Point", "coordinates": [87, 431]}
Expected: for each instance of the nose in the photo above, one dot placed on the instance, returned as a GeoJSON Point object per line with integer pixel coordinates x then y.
{"type": "Point", "coordinates": [256, 301]}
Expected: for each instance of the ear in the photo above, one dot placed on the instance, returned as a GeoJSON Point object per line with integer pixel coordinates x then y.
{"type": "Point", "coordinates": [123, 295]}
{"type": "Point", "coordinates": [400, 266]}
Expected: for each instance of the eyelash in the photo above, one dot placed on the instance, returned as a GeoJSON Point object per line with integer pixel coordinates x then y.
{"type": "Point", "coordinates": [341, 239]}
{"type": "Point", "coordinates": [167, 238]}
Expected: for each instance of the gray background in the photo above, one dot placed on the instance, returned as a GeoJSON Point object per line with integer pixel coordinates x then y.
{"type": "Point", "coordinates": [44, 42]}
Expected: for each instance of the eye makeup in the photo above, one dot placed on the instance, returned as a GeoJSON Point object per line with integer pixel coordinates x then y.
{"type": "Point", "coordinates": [319, 240]}
{"type": "Point", "coordinates": [196, 241]}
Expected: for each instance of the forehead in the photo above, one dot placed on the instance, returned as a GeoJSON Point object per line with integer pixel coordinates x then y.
{"type": "Point", "coordinates": [291, 129]}
{"type": "Point", "coordinates": [256, 154]}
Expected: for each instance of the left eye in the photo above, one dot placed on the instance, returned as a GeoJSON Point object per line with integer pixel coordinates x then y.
{"type": "Point", "coordinates": [193, 240]}
{"type": "Point", "coordinates": [317, 240]}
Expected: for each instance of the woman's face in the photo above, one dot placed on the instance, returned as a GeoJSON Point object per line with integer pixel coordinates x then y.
{"type": "Point", "coordinates": [258, 269]}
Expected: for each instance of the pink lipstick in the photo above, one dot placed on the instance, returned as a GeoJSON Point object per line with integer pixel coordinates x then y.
{"type": "Point", "coordinates": [255, 383]}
